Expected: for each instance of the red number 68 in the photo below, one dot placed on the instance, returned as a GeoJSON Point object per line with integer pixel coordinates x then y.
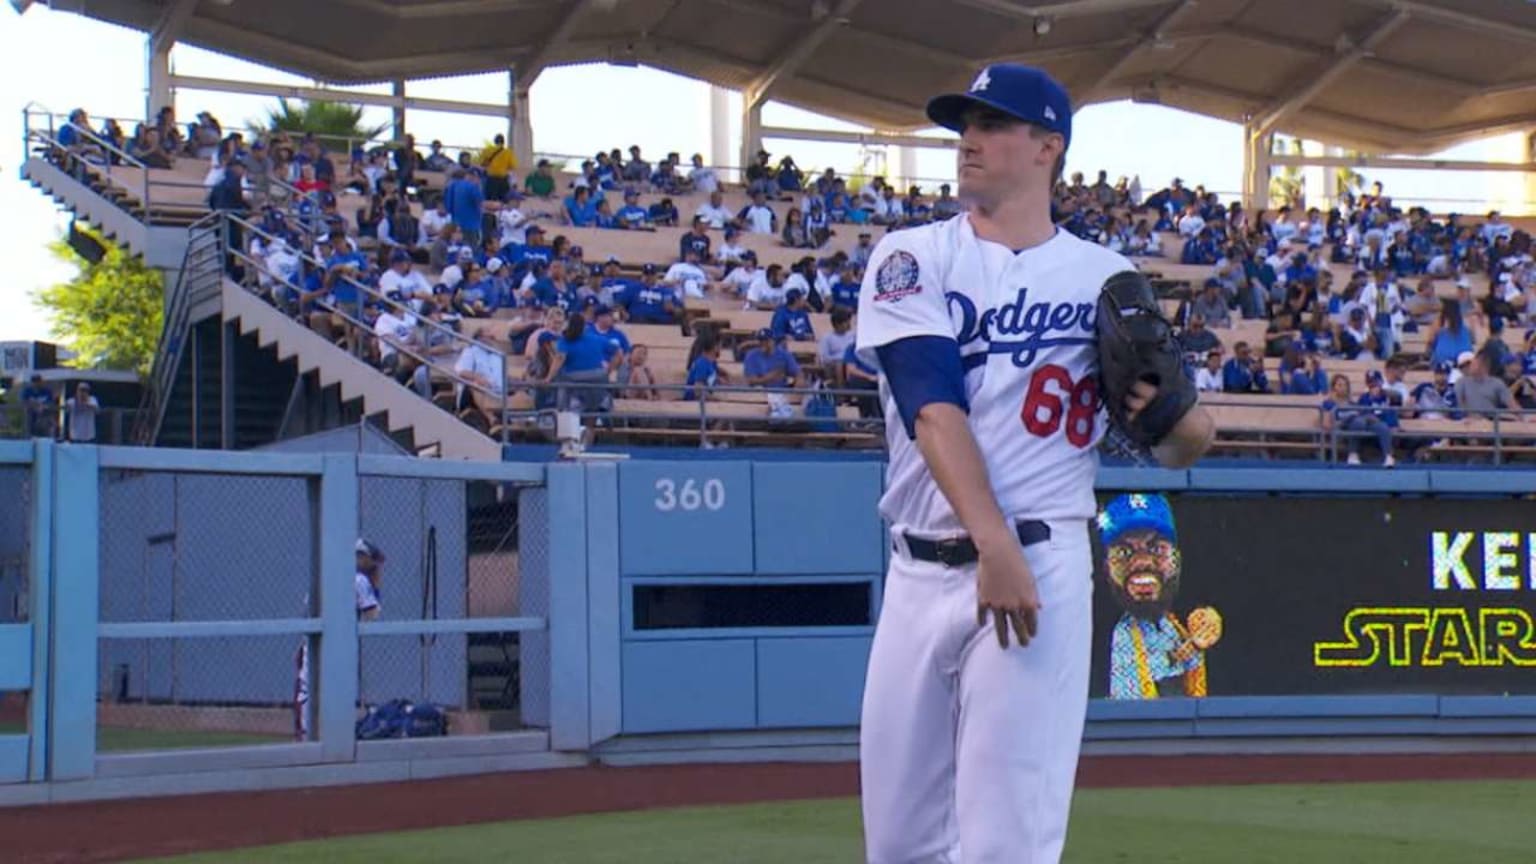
{"type": "Point", "coordinates": [1045, 406]}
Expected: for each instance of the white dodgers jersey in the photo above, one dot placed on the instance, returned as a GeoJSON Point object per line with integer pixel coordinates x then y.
{"type": "Point", "coordinates": [1026, 326]}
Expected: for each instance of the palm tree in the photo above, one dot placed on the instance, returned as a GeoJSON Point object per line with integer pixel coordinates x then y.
{"type": "Point", "coordinates": [1346, 178]}
{"type": "Point", "coordinates": [1285, 187]}
{"type": "Point", "coordinates": [329, 121]}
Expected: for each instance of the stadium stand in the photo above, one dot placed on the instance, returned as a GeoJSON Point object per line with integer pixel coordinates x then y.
{"type": "Point", "coordinates": [683, 263]}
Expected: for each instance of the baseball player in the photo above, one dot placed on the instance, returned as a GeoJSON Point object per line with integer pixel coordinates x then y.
{"type": "Point", "coordinates": [986, 331]}
{"type": "Point", "coordinates": [366, 588]}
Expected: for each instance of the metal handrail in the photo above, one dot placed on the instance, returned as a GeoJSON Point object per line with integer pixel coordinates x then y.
{"type": "Point", "coordinates": [111, 423]}
{"type": "Point", "coordinates": [353, 319]}
{"type": "Point", "coordinates": [1500, 434]}
{"type": "Point", "coordinates": [173, 329]}
{"type": "Point", "coordinates": [704, 397]}
{"type": "Point", "coordinates": [50, 138]}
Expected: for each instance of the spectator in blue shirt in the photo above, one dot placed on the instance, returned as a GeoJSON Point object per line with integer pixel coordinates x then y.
{"type": "Point", "coordinates": [522, 256]}
{"type": "Point", "coordinates": [466, 205]}
{"type": "Point", "coordinates": [793, 319]}
{"type": "Point", "coordinates": [603, 217]}
{"type": "Point", "coordinates": [705, 371]}
{"type": "Point", "coordinates": [580, 210]}
{"type": "Point", "coordinates": [1308, 379]}
{"type": "Point", "coordinates": [664, 213]}
{"type": "Point", "coordinates": [1358, 422]}
{"type": "Point", "coordinates": [40, 405]}
{"type": "Point", "coordinates": [602, 325]}
{"type": "Point", "coordinates": [632, 216]}
{"type": "Point", "coordinates": [1244, 373]}
{"type": "Point", "coordinates": [845, 291]}
{"type": "Point", "coordinates": [583, 357]}
{"type": "Point", "coordinates": [770, 364]}
{"type": "Point", "coordinates": [695, 240]}
{"type": "Point", "coordinates": [649, 302]}
{"type": "Point", "coordinates": [1436, 400]}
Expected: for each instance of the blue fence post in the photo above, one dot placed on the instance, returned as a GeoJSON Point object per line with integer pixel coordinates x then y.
{"type": "Point", "coordinates": [40, 577]}
{"type": "Point", "coordinates": [76, 588]}
{"type": "Point", "coordinates": [568, 674]}
{"type": "Point", "coordinates": [338, 667]}
{"type": "Point", "coordinates": [604, 616]}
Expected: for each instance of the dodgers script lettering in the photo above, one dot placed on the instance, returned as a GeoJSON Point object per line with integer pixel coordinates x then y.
{"type": "Point", "coordinates": [1020, 328]}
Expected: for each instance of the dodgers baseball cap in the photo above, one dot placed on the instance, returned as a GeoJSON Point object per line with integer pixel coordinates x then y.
{"type": "Point", "coordinates": [1444, 367]}
{"type": "Point", "coordinates": [1372, 378]}
{"type": "Point", "coordinates": [648, 269]}
{"type": "Point", "coordinates": [765, 333]}
{"type": "Point", "coordinates": [1023, 92]}
{"type": "Point", "coordinates": [367, 547]}
{"type": "Point", "coordinates": [1138, 511]}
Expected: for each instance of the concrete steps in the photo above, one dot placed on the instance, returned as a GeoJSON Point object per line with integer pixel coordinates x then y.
{"type": "Point", "coordinates": [401, 407]}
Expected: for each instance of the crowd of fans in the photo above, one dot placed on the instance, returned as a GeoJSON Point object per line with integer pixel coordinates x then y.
{"type": "Point", "coordinates": [483, 240]}
{"type": "Point", "coordinates": [1276, 269]}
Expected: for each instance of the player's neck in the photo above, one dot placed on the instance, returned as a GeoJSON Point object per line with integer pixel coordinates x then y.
{"type": "Point", "coordinates": [1019, 223]}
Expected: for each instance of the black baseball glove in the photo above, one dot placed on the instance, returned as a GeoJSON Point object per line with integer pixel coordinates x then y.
{"type": "Point", "coordinates": [1136, 343]}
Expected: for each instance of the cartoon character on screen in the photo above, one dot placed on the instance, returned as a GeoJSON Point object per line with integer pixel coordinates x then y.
{"type": "Point", "coordinates": [1152, 653]}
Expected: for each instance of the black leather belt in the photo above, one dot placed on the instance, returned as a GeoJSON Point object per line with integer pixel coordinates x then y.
{"type": "Point", "coordinates": [960, 551]}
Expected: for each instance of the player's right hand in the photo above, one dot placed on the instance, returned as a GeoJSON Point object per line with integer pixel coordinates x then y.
{"type": "Point", "coordinates": [1005, 587]}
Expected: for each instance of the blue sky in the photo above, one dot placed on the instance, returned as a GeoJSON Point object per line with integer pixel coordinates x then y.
{"type": "Point", "coordinates": [576, 109]}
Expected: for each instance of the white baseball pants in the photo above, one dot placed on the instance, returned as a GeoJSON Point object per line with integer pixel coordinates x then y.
{"type": "Point", "coordinates": [967, 752]}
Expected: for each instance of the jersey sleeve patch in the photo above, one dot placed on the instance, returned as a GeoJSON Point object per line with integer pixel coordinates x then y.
{"type": "Point", "coordinates": [902, 296]}
{"type": "Point", "coordinates": [899, 277]}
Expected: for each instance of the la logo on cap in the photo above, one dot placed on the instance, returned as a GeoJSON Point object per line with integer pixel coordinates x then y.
{"type": "Point", "coordinates": [982, 81]}
{"type": "Point", "coordinates": [1050, 113]}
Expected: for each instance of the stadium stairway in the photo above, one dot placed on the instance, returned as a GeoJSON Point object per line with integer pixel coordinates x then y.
{"type": "Point", "coordinates": [110, 208]}
{"type": "Point", "coordinates": [397, 408]}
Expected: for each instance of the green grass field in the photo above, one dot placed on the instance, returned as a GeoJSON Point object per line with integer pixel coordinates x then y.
{"type": "Point", "coordinates": [1417, 823]}
{"type": "Point", "coordinates": [115, 740]}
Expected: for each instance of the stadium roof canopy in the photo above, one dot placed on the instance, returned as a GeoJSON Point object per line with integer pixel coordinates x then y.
{"type": "Point", "coordinates": [1388, 76]}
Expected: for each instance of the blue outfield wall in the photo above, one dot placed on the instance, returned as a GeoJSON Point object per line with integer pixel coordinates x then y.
{"type": "Point", "coordinates": [727, 595]}
{"type": "Point", "coordinates": [696, 538]}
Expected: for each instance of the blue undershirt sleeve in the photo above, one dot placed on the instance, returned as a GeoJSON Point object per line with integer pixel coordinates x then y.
{"type": "Point", "coordinates": [923, 370]}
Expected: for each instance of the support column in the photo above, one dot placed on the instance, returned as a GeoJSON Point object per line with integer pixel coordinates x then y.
{"type": "Point", "coordinates": [398, 88]}
{"type": "Point", "coordinates": [1528, 206]}
{"type": "Point", "coordinates": [751, 134]}
{"type": "Point", "coordinates": [907, 163]}
{"type": "Point", "coordinates": [519, 123]}
{"type": "Point", "coordinates": [720, 128]}
{"type": "Point", "coordinates": [158, 75]}
{"type": "Point", "coordinates": [1256, 168]}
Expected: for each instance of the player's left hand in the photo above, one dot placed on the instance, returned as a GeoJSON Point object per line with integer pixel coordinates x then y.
{"type": "Point", "coordinates": [1140, 396]}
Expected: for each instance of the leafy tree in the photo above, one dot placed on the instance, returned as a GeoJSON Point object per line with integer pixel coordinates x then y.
{"type": "Point", "coordinates": [110, 313]}
{"type": "Point", "coordinates": [329, 121]}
